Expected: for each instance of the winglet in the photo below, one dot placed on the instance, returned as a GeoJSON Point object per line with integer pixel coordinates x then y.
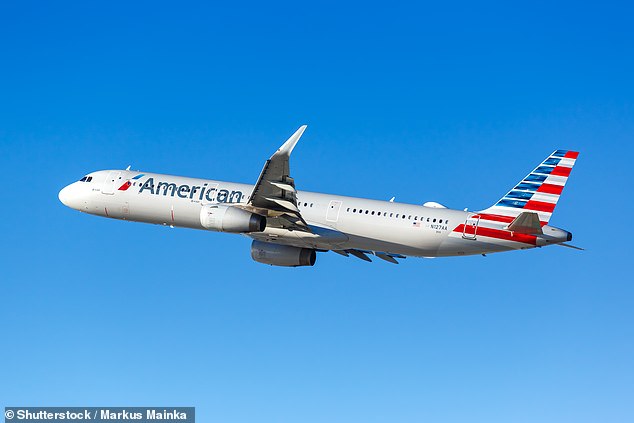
{"type": "Point", "coordinates": [287, 148]}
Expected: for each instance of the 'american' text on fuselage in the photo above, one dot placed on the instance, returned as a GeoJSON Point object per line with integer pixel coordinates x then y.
{"type": "Point", "coordinates": [211, 194]}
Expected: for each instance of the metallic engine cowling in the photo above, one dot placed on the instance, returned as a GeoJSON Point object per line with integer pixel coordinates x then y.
{"type": "Point", "coordinates": [221, 218]}
{"type": "Point", "coordinates": [282, 255]}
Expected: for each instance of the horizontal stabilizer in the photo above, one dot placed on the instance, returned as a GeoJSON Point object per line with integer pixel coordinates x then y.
{"type": "Point", "coordinates": [571, 246]}
{"type": "Point", "coordinates": [526, 223]}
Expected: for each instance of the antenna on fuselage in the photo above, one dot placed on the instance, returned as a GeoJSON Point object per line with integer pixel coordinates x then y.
{"type": "Point", "coordinates": [128, 168]}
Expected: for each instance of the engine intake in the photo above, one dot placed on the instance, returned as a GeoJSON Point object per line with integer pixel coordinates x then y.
{"type": "Point", "coordinates": [282, 255]}
{"type": "Point", "coordinates": [230, 219]}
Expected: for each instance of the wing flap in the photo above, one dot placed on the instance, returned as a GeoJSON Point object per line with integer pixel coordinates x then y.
{"type": "Point", "coordinates": [285, 204]}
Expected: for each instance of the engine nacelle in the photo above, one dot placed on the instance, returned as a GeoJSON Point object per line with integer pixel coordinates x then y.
{"type": "Point", "coordinates": [282, 255]}
{"type": "Point", "coordinates": [215, 217]}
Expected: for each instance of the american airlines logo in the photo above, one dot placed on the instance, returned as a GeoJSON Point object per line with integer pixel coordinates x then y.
{"type": "Point", "coordinates": [198, 192]}
{"type": "Point", "coordinates": [127, 184]}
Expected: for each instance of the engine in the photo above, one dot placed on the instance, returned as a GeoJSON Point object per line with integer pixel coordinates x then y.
{"type": "Point", "coordinates": [231, 219]}
{"type": "Point", "coordinates": [282, 255]}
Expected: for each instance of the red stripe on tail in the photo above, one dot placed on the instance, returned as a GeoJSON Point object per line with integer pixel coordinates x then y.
{"type": "Point", "coordinates": [540, 206]}
{"type": "Point", "coordinates": [551, 189]}
{"type": "Point", "coordinates": [561, 171]}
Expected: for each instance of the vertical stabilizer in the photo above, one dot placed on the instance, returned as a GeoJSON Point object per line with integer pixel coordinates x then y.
{"type": "Point", "coordinates": [540, 190]}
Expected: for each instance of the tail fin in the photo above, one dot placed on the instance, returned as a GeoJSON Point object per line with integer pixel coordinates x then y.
{"type": "Point", "coordinates": [540, 190]}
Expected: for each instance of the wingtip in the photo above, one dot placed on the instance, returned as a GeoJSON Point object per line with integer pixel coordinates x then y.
{"type": "Point", "coordinates": [289, 145]}
{"type": "Point", "coordinates": [300, 131]}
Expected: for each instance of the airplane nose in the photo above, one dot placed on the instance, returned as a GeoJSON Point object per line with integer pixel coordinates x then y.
{"type": "Point", "coordinates": [64, 196]}
{"type": "Point", "coordinates": [67, 196]}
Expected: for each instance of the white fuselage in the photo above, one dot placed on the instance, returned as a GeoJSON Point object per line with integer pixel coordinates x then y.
{"type": "Point", "coordinates": [337, 222]}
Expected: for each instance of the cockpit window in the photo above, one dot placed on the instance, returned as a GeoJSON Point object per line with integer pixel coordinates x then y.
{"type": "Point", "coordinates": [89, 179]}
{"type": "Point", "coordinates": [86, 179]}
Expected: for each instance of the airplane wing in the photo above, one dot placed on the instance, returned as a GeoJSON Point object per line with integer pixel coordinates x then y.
{"type": "Point", "coordinates": [274, 194]}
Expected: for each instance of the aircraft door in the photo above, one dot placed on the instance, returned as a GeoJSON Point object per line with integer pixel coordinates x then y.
{"type": "Point", "coordinates": [471, 226]}
{"type": "Point", "coordinates": [332, 215]}
{"type": "Point", "coordinates": [110, 182]}
{"type": "Point", "coordinates": [125, 210]}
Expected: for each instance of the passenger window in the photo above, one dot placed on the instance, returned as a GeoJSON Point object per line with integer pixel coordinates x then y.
{"type": "Point", "coordinates": [415, 217]}
{"type": "Point", "coordinates": [367, 211]}
{"type": "Point", "coordinates": [403, 216]}
{"type": "Point", "coordinates": [428, 219]}
{"type": "Point", "coordinates": [397, 215]}
{"type": "Point", "coordinates": [434, 220]}
{"type": "Point", "coordinates": [391, 214]}
{"type": "Point", "coordinates": [372, 212]}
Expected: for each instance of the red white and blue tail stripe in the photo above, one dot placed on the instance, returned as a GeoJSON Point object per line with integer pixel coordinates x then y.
{"type": "Point", "coordinates": [538, 192]}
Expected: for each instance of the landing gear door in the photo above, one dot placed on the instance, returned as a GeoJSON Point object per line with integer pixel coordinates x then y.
{"type": "Point", "coordinates": [110, 182]}
{"type": "Point", "coordinates": [470, 230]}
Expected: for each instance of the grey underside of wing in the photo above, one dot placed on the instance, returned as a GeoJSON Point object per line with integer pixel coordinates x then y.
{"type": "Point", "coordinates": [274, 194]}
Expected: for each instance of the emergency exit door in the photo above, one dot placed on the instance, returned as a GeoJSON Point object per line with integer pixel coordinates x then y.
{"type": "Point", "coordinates": [332, 215]}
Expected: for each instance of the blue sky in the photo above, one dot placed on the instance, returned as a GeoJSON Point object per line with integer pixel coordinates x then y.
{"type": "Point", "coordinates": [426, 102]}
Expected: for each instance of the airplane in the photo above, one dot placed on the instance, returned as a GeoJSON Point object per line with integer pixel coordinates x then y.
{"type": "Point", "coordinates": [289, 227]}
